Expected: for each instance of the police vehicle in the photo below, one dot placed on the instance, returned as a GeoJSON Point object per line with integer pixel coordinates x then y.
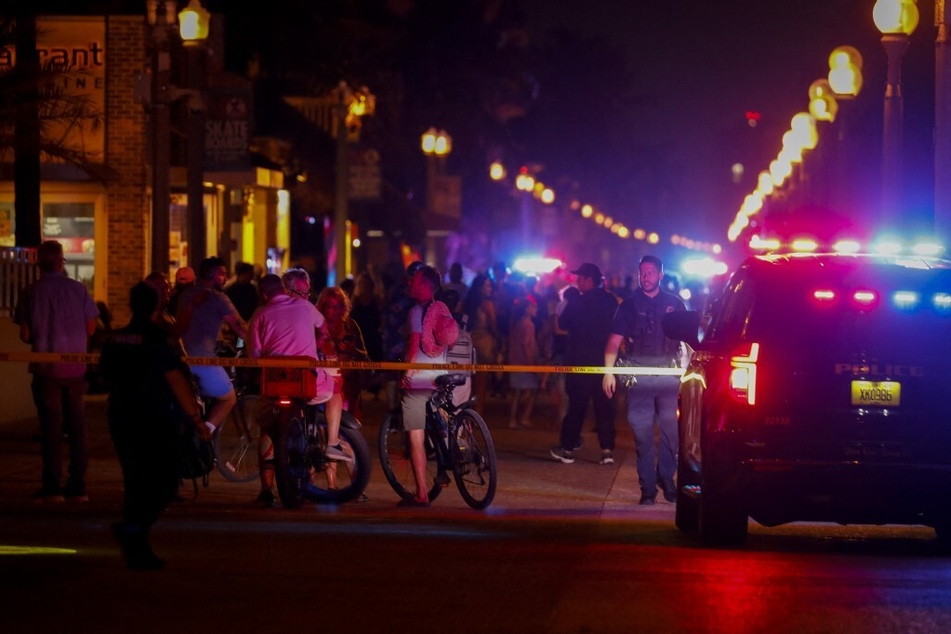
{"type": "Point", "coordinates": [819, 391]}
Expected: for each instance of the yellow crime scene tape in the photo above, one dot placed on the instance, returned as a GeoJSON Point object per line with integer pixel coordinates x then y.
{"type": "Point", "coordinates": [279, 362]}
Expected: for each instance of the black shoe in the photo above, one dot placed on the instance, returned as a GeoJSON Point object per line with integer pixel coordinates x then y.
{"type": "Point", "coordinates": [668, 488]}
{"type": "Point", "coordinates": [75, 494]}
{"type": "Point", "coordinates": [47, 496]}
{"type": "Point", "coordinates": [266, 498]}
{"type": "Point", "coordinates": [136, 549]}
{"type": "Point", "coordinates": [441, 479]}
{"type": "Point", "coordinates": [647, 500]}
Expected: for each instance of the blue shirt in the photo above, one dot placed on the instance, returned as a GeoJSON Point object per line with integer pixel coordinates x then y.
{"type": "Point", "coordinates": [57, 310]}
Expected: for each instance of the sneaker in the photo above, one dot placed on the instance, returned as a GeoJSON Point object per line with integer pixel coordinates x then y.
{"type": "Point", "coordinates": [266, 498]}
{"type": "Point", "coordinates": [607, 456]}
{"type": "Point", "coordinates": [647, 500]}
{"type": "Point", "coordinates": [48, 496]}
{"type": "Point", "coordinates": [562, 455]}
{"type": "Point", "coordinates": [578, 444]}
{"type": "Point", "coordinates": [336, 452]}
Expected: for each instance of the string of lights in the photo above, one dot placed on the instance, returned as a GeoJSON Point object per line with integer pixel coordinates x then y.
{"type": "Point", "coordinates": [525, 182]}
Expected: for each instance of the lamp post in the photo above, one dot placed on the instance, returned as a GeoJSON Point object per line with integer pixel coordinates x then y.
{"type": "Point", "coordinates": [349, 108]}
{"type": "Point", "coordinates": [525, 183]}
{"type": "Point", "coordinates": [160, 128]}
{"type": "Point", "coordinates": [845, 81]}
{"type": "Point", "coordinates": [193, 27]}
{"type": "Point", "coordinates": [896, 19]}
{"type": "Point", "coordinates": [436, 145]}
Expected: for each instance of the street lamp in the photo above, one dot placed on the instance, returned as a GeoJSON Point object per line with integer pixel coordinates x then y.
{"type": "Point", "coordinates": [193, 27]}
{"type": "Point", "coordinates": [436, 145]}
{"type": "Point", "coordinates": [525, 183]}
{"type": "Point", "coordinates": [349, 108]}
{"type": "Point", "coordinates": [896, 19]}
{"type": "Point", "coordinates": [845, 80]}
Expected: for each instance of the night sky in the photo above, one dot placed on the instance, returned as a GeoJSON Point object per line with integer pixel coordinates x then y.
{"type": "Point", "coordinates": [704, 64]}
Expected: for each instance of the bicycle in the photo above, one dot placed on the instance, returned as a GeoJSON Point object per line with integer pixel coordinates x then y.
{"type": "Point", "coordinates": [298, 430]}
{"type": "Point", "coordinates": [457, 442]}
{"type": "Point", "coordinates": [235, 442]}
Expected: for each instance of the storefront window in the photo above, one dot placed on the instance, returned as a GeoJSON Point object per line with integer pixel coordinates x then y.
{"type": "Point", "coordinates": [7, 236]}
{"type": "Point", "coordinates": [73, 225]}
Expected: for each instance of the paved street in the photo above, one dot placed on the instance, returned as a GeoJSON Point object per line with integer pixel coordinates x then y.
{"type": "Point", "coordinates": [564, 548]}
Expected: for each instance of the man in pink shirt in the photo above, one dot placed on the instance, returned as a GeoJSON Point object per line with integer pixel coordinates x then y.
{"type": "Point", "coordinates": [290, 326]}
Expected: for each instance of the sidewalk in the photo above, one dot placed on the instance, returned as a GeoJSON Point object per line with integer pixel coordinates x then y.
{"type": "Point", "coordinates": [530, 481]}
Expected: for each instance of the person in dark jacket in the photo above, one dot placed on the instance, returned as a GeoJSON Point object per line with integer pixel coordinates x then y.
{"type": "Point", "coordinates": [587, 320]}
{"type": "Point", "coordinates": [150, 400]}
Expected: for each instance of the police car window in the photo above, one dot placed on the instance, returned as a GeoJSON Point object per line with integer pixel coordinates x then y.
{"type": "Point", "coordinates": [733, 308]}
{"type": "Point", "coordinates": [791, 315]}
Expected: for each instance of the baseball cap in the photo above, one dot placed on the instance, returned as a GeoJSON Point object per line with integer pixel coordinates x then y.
{"type": "Point", "coordinates": [588, 270]}
{"type": "Point", "coordinates": [185, 275]}
{"type": "Point", "coordinates": [414, 267]}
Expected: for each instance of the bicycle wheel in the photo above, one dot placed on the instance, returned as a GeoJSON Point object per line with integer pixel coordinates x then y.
{"type": "Point", "coordinates": [291, 467]}
{"type": "Point", "coordinates": [474, 464]}
{"type": "Point", "coordinates": [236, 441]}
{"type": "Point", "coordinates": [396, 463]}
{"type": "Point", "coordinates": [336, 482]}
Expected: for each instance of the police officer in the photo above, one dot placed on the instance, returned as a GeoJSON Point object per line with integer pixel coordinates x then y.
{"type": "Point", "coordinates": [652, 398]}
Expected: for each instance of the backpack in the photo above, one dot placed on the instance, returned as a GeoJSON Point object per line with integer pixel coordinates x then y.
{"type": "Point", "coordinates": [462, 352]}
{"type": "Point", "coordinates": [196, 457]}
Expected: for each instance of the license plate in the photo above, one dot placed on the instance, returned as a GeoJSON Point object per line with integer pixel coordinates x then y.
{"type": "Point", "coordinates": [876, 393]}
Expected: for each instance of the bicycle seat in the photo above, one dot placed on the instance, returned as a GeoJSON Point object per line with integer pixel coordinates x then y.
{"type": "Point", "coordinates": [455, 380]}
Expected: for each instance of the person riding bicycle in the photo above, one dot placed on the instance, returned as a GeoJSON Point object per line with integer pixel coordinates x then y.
{"type": "Point", "coordinates": [432, 329]}
{"type": "Point", "coordinates": [202, 309]}
{"type": "Point", "coordinates": [289, 325]}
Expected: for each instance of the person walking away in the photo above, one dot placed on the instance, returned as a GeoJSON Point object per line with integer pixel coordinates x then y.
{"type": "Point", "coordinates": [56, 314]}
{"type": "Point", "coordinates": [457, 284]}
{"type": "Point", "coordinates": [150, 399]}
{"type": "Point", "coordinates": [242, 292]}
{"type": "Point", "coordinates": [344, 343]}
{"type": "Point", "coordinates": [523, 350]}
{"type": "Point", "coordinates": [285, 326]}
{"type": "Point", "coordinates": [367, 311]}
{"type": "Point", "coordinates": [587, 319]}
{"type": "Point", "coordinates": [638, 324]}
{"type": "Point", "coordinates": [202, 310]}
{"type": "Point", "coordinates": [432, 330]}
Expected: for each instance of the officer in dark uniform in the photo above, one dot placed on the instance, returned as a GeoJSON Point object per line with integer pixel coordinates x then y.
{"type": "Point", "coordinates": [653, 398]}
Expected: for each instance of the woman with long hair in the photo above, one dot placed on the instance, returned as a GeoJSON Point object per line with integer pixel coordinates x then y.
{"type": "Point", "coordinates": [344, 344]}
{"type": "Point", "coordinates": [481, 322]}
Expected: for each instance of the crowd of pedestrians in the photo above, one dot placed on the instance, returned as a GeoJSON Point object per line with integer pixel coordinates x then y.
{"type": "Point", "coordinates": [512, 320]}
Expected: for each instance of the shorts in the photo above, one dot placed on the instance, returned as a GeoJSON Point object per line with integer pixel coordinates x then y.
{"type": "Point", "coordinates": [326, 388]}
{"type": "Point", "coordinates": [213, 380]}
{"type": "Point", "coordinates": [414, 408]}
